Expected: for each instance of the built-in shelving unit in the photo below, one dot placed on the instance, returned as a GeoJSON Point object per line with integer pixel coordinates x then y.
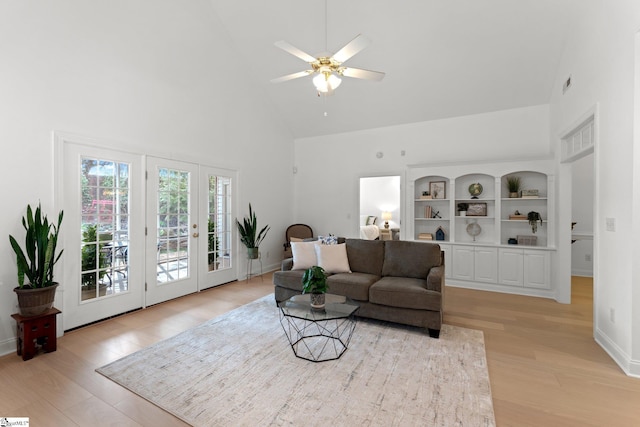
{"type": "Point", "coordinates": [478, 244]}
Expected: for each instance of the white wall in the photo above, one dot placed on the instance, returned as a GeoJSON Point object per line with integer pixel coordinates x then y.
{"type": "Point", "coordinates": [329, 167]}
{"type": "Point", "coordinates": [151, 76]}
{"type": "Point", "coordinates": [600, 57]}
{"type": "Point", "coordinates": [582, 203]}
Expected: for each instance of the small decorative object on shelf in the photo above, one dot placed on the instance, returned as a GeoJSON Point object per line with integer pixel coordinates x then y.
{"type": "Point", "coordinates": [439, 234]}
{"type": "Point", "coordinates": [474, 230]}
{"type": "Point", "coordinates": [533, 217]}
{"type": "Point", "coordinates": [513, 185]}
{"type": "Point", "coordinates": [426, 195]}
{"type": "Point", "coordinates": [529, 194]}
{"type": "Point", "coordinates": [477, 209]}
{"type": "Point", "coordinates": [512, 241]}
{"type": "Point", "coordinates": [425, 236]}
{"type": "Point", "coordinates": [462, 208]}
{"type": "Point", "coordinates": [517, 216]}
{"type": "Point", "coordinates": [527, 240]}
{"type": "Point", "coordinates": [438, 189]}
{"type": "Point", "coordinates": [475, 190]}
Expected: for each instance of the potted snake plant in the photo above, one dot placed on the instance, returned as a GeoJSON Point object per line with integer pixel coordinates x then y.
{"type": "Point", "coordinates": [249, 234]}
{"type": "Point", "coordinates": [35, 263]}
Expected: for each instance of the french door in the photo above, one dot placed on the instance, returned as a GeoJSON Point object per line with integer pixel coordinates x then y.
{"type": "Point", "coordinates": [189, 228]}
{"type": "Point", "coordinates": [103, 231]}
{"type": "Point", "coordinates": [138, 231]}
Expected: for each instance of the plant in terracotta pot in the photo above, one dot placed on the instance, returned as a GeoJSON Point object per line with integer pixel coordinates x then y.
{"type": "Point", "coordinates": [513, 185]}
{"type": "Point", "coordinates": [314, 282]}
{"type": "Point", "coordinates": [533, 217]}
{"type": "Point", "coordinates": [36, 262]}
{"type": "Point", "coordinates": [249, 234]}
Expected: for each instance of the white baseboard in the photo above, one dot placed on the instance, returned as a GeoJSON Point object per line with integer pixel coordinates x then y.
{"type": "Point", "coordinates": [629, 366]}
{"type": "Point", "coordinates": [8, 346]}
{"type": "Point", "coordinates": [582, 273]}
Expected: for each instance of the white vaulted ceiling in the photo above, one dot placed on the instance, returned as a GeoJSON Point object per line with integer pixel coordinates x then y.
{"type": "Point", "coordinates": [442, 58]}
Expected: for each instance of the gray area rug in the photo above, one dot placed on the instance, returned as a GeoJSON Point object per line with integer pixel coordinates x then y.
{"type": "Point", "coordinates": [239, 370]}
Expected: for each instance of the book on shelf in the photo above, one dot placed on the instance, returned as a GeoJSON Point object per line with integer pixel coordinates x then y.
{"type": "Point", "coordinates": [425, 236]}
{"type": "Point", "coordinates": [518, 217]}
{"type": "Point", "coordinates": [427, 211]}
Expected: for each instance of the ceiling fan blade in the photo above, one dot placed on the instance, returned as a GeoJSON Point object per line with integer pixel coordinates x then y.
{"type": "Point", "coordinates": [353, 47]}
{"type": "Point", "coordinates": [359, 73]}
{"type": "Point", "coordinates": [292, 76]}
{"type": "Point", "coordinates": [295, 51]}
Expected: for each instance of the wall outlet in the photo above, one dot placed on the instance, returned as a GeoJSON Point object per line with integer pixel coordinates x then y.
{"type": "Point", "coordinates": [610, 224]}
{"type": "Point", "coordinates": [612, 315]}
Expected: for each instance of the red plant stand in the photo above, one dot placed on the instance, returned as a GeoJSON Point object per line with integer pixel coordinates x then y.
{"type": "Point", "coordinates": [34, 331]}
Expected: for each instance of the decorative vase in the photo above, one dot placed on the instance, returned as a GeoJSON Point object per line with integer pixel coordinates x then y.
{"type": "Point", "coordinates": [252, 253]}
{"type": "Point", "coordinates": [317, 301]}
{"type": "Point", "coordinates": [33, 302]}
{"type": "Point", "coordinates": [513, 195]}
{"type": "Point", "coordinates": [463, 213]}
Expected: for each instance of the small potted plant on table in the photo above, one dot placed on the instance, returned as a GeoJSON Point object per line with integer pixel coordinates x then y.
{"type": "Point", "coordinates": [314, 282]}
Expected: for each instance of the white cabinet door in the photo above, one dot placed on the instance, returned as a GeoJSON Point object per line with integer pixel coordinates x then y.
{"type": "Point", "coordinates": [486, 264]}
{"type": "Point", "coordinates": [536, 269]}
{"type": "Point", "coordinates": [448, 262]}
{"type": "Point", "coordinates": [463, 257]}
{"type": "Point", "coordinates": [511, 267]}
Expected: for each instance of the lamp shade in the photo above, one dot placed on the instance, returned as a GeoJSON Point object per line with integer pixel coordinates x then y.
{"type": "Point", "coordinates": [386, 216]}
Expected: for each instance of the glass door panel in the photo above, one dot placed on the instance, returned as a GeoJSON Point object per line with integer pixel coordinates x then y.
{"type": "Point", "coordinates": [217, 212]}
{"type": "Point", "coordinates": [172, 229]}
{"type": "Point", "coordinates": [103, 231]}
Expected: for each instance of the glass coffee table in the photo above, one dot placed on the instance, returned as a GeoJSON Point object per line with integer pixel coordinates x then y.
{"type": "Point", "coordinates": [318, 335]}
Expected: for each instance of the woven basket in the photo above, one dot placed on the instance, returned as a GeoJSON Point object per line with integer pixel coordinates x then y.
{"type": "Point", "coordinates": [33, 302]}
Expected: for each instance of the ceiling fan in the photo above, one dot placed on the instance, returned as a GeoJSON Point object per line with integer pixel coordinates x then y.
{"type": "Point", "coordinates": [328, 67]}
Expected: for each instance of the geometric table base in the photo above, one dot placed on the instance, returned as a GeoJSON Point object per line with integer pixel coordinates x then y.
{"type": "Point", "coordinates": [318, 340]}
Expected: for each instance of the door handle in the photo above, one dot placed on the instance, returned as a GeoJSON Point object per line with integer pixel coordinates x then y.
{"type": "Point", "coordinates": [196, 234]}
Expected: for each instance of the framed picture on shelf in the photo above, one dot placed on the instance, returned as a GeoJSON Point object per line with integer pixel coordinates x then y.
{"type": "Point", "coordinates": [477, 209]}
{"type": "Point", "coordinates": [437, 189]}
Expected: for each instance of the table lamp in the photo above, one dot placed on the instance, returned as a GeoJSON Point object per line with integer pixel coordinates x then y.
{"type": "Point", "coordinates": [386, 216]}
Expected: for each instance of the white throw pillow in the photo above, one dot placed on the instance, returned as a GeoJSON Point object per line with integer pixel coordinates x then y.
{"type": "Point", "coordinates": [304, 254]}
{"type": "Point", "coordinates": [333, 258]}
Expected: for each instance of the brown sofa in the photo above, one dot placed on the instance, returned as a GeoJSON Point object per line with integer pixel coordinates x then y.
{"type": "Point", "coordinates": [396, 281]}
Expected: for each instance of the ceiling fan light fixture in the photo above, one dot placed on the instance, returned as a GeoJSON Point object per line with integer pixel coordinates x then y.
{"type": "Point", "coordinates": [325, 82]}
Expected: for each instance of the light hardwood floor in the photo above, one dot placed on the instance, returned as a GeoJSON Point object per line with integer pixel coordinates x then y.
{"type": "Point", "coordinates": [544, 366]}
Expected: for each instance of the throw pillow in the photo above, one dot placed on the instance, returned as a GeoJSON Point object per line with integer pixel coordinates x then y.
{"type": "Point", "coordinates": [371, 220]}
{"type": "Point", "coordinates": [328, 240]}
{"type": "Point", "coordinates": [333, 258]}
{"type": "Point", "coordinates": [304, 255]}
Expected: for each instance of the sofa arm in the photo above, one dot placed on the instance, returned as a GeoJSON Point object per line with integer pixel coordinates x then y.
{"type": "Point", "coordinates": [287, 264]}
{"type": "Point", "coordinates": [435, 279]}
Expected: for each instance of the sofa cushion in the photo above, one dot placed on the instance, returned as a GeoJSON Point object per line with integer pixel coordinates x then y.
{"type": "Point", "coordinates": [291, 279]}
{"type": "Point", "coordinates": [405, 292]}
{"type": "Point", "coordinates": [408, 259]}
{"type": "Point", "coordinates": [352, 285]}
{"type": "Point", "coordinates": [365, 256]}
{"type": "Point", "coordinates": [333, 258]}
{"type": "Point", "coordinates": [304, 254]}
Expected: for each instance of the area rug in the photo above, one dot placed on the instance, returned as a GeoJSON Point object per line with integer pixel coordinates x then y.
{"type": "Point", "coordinates": [239, 370]}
